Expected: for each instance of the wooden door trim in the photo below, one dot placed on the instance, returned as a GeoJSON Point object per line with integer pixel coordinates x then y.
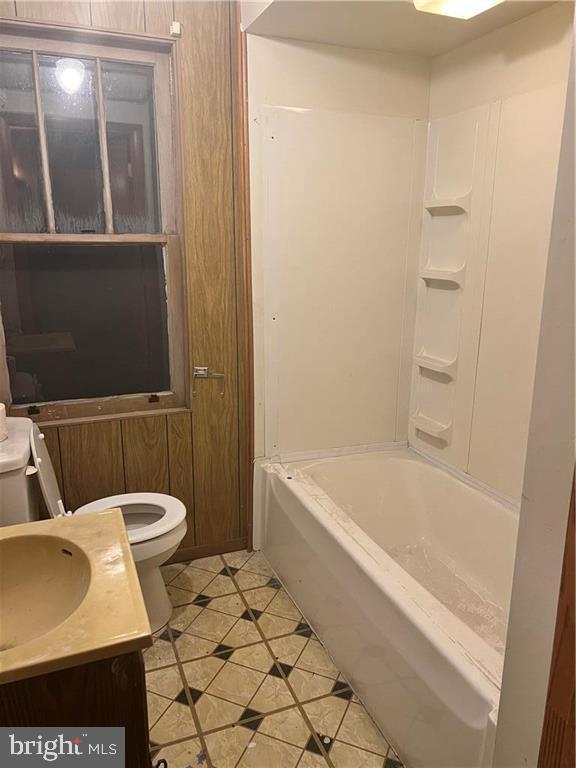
{"type": "Point", "coordinates": [557, 741]}
{"type": "Point", "coordinates": [242, 246]}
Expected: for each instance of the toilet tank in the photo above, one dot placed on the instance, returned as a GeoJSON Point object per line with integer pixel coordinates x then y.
{"type": "Point", "coordinates": [18, 496]}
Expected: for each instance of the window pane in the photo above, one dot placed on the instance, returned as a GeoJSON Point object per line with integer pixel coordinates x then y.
{"type": "Point", "coordinates": [21, 194]}
{"type": "Point", "coordinates": [130, 131]}
{"type": "Point", "coordinates": [84, 321]}
{"type": "Point", "coordinates": [71, 118]}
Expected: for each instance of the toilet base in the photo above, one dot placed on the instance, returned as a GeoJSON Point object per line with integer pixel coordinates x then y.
{"type": "Point", "coordinates": [155, 597]}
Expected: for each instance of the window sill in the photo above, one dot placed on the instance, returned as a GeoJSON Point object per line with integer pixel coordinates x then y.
{"type": "Point", "coordinates": [58, 414]}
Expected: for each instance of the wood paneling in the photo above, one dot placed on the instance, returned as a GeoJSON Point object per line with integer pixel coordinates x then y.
{"type": "Point", "coordinates": [557, 743]}
{"type": "Point", "coordinates": [206, 141]}
{"type": "Point", "coordinates": [92, 463]}
{"type": "Point", "coordinates": [68, 12]}
{"type": "Point", "coordinates": [104, 457]}
{"type": "Point", "coordinates": [180, 464]}
{"type": "Point", "coordinates": [158, 14]}
{"type": "Point", "coordinates": [145, 449]}
{"type": "Point", "coordinates": [122, 15]}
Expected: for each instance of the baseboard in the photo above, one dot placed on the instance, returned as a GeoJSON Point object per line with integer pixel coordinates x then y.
{"type": "Point", "coordinates": [206, 550]}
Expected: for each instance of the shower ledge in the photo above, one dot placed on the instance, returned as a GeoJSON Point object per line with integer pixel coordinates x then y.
{"type": "Point", "coordinates": [431, 363]}
{"type": "Point", "coordinates": [449, 206]}
{"type": "Point", "coordinates": [432, 427]}
{"type": "Point", "coordinates": [455, 276]}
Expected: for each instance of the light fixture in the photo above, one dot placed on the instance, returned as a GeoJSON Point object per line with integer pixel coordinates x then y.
{"type": "Point", "coordinates": [459, 9]}
{"type": "Point", "coordinates": [70, 75]}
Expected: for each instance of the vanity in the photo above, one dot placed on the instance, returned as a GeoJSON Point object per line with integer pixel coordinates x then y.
{"type": "Point", "coordinates": [73, 625]}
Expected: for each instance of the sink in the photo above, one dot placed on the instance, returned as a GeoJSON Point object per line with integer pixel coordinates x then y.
{"type": "Point", "coordinates": [69, 595]}
{"type": "Point", "coordinates": [44, 579]}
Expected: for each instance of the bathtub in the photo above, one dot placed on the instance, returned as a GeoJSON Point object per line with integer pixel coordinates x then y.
{"type": "Point", "coordinates": [404, 570]}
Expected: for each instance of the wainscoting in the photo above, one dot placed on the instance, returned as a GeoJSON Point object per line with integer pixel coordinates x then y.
{"type": "Point", "coordinates": [202, 452]}
{"type": "Point", "coordinates": [101, 458]}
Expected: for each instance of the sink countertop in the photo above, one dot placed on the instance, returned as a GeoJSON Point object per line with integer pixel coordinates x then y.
{"type": "Point", "coordinates": [110, 620]}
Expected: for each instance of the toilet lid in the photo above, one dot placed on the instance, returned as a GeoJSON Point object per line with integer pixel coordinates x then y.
{"type": "Point", "coordinates": [46, 474]}
{"type": "Point", "coordinates": [146, 515]}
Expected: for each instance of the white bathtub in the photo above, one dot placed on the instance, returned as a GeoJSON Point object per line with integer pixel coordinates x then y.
{"type": "Point", "coordinates": [405, 572]}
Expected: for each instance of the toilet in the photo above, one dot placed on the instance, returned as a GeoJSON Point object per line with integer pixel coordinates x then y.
{"type": "Point", "coordinates": [155, 522]}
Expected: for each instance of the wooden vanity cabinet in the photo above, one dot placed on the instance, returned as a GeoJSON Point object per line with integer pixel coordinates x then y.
{"type": "Point", "coordinates": [109, 692]}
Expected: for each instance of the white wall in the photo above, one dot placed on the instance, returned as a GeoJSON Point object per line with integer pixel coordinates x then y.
{"type": "Point", "coordinates": [335, 200]}
{"type": "Point", "coordinates": [546, 492]}
{"type": "Point", "coordinates": [251, 9]}
{"type": "Point", "coordinates": [521, 72]}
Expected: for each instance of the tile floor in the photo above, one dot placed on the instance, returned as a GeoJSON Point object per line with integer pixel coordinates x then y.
{"type": "Point", "coordinates": [239, 680]}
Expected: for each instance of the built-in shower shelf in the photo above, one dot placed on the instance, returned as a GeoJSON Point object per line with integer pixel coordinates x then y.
{"type": "Point", "coordinates": [431, 427]}
{"type": "Point", "coordinates": [447, 367]}
{"type": "Point", "coordinates": [448, 206]}
{"type": "Point", "coordinates": [455, 276]}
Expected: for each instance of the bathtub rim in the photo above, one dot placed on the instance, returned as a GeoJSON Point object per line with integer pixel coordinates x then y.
{"type": "Point", "coordinates": [479, 664]}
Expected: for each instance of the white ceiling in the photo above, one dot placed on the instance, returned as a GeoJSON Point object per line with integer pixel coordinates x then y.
{"type": "Point", "coordinates": [386, 25]}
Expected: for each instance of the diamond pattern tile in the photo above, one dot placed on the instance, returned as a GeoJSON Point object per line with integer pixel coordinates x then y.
{"type": "Point", "coordinates": [175, 723]}
{"type": "Point", "coordinates": [268, 752]}
{"type": "Point", "coordinates": [180, 596]}
{"type": "Point", "coordinates": [282, 605]}
{"type": "Point", "coordinates": [242, 660]}
{"type": "Point", "coordinates": [315, 659]}
{"type": "Point", "coordinates": [212, 564]}
{"type": "Point", "coordinates": [211, 625]}
{"type": "Point", "coordinates": [358, 729]}
{"type": "Point", "coordinates": [161, 654]}
{"type": "Point", "coordinates": [192, 579]}
{"type": "Point", "coordinates": [189, 647]}
{"type": "Point", "coordinates": [236, 683]}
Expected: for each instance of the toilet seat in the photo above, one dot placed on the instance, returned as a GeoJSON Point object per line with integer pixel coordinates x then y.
{"type": "Point", "coordinates": [146, 515]}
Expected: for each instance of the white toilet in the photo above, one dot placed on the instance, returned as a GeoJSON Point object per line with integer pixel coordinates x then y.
{"type": "Point", "coordinates": [155, 522]}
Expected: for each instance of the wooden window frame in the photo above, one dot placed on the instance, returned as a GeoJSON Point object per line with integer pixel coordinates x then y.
{"type": "Point", "coordinates": [159, 54]}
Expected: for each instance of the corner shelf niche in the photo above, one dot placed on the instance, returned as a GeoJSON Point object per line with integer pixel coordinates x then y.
{"type": "Point", "coordinates": [431, 363]}
{"type": "Point", "coordinates": [431, 427]}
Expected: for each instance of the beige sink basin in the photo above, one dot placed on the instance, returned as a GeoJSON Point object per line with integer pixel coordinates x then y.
{"type": "Point", "coordinates": [69, 595]}
{"type": "Point", "coordinates": [43, 580]}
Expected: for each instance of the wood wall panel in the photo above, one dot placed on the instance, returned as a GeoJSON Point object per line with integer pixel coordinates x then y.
{"type": "Point", "coordinates": [180, 464]}
{"type": "Point", "coordinates": [92, 462]}
{"type": "Point", "coordinates": [121, 15]}
{"type": "Point", "coordinates": [99, 458]}
{"type": "Point", "coordinates": [145, 450]}
{"type": "Point", "coordinates": [158, 15]}
{"type": "Point", "coordinates": [206, 140]}
{"type": "Point", "coordinates": [69, 12]}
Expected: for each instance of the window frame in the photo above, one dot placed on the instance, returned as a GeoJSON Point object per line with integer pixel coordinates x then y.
{"type": "Point", "coordinates": [147, 51]}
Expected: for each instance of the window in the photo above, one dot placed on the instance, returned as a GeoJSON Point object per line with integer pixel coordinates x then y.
{"type": "Point", "coordinates": [90, 270]}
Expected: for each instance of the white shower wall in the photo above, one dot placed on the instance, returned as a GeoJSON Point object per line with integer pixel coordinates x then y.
{"type": "Point", "coordinates": [496, 107]}
{"type": "Point", "coordinates": [337, 139]}
{"type": "Point", "coordinates": [338, 159]}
